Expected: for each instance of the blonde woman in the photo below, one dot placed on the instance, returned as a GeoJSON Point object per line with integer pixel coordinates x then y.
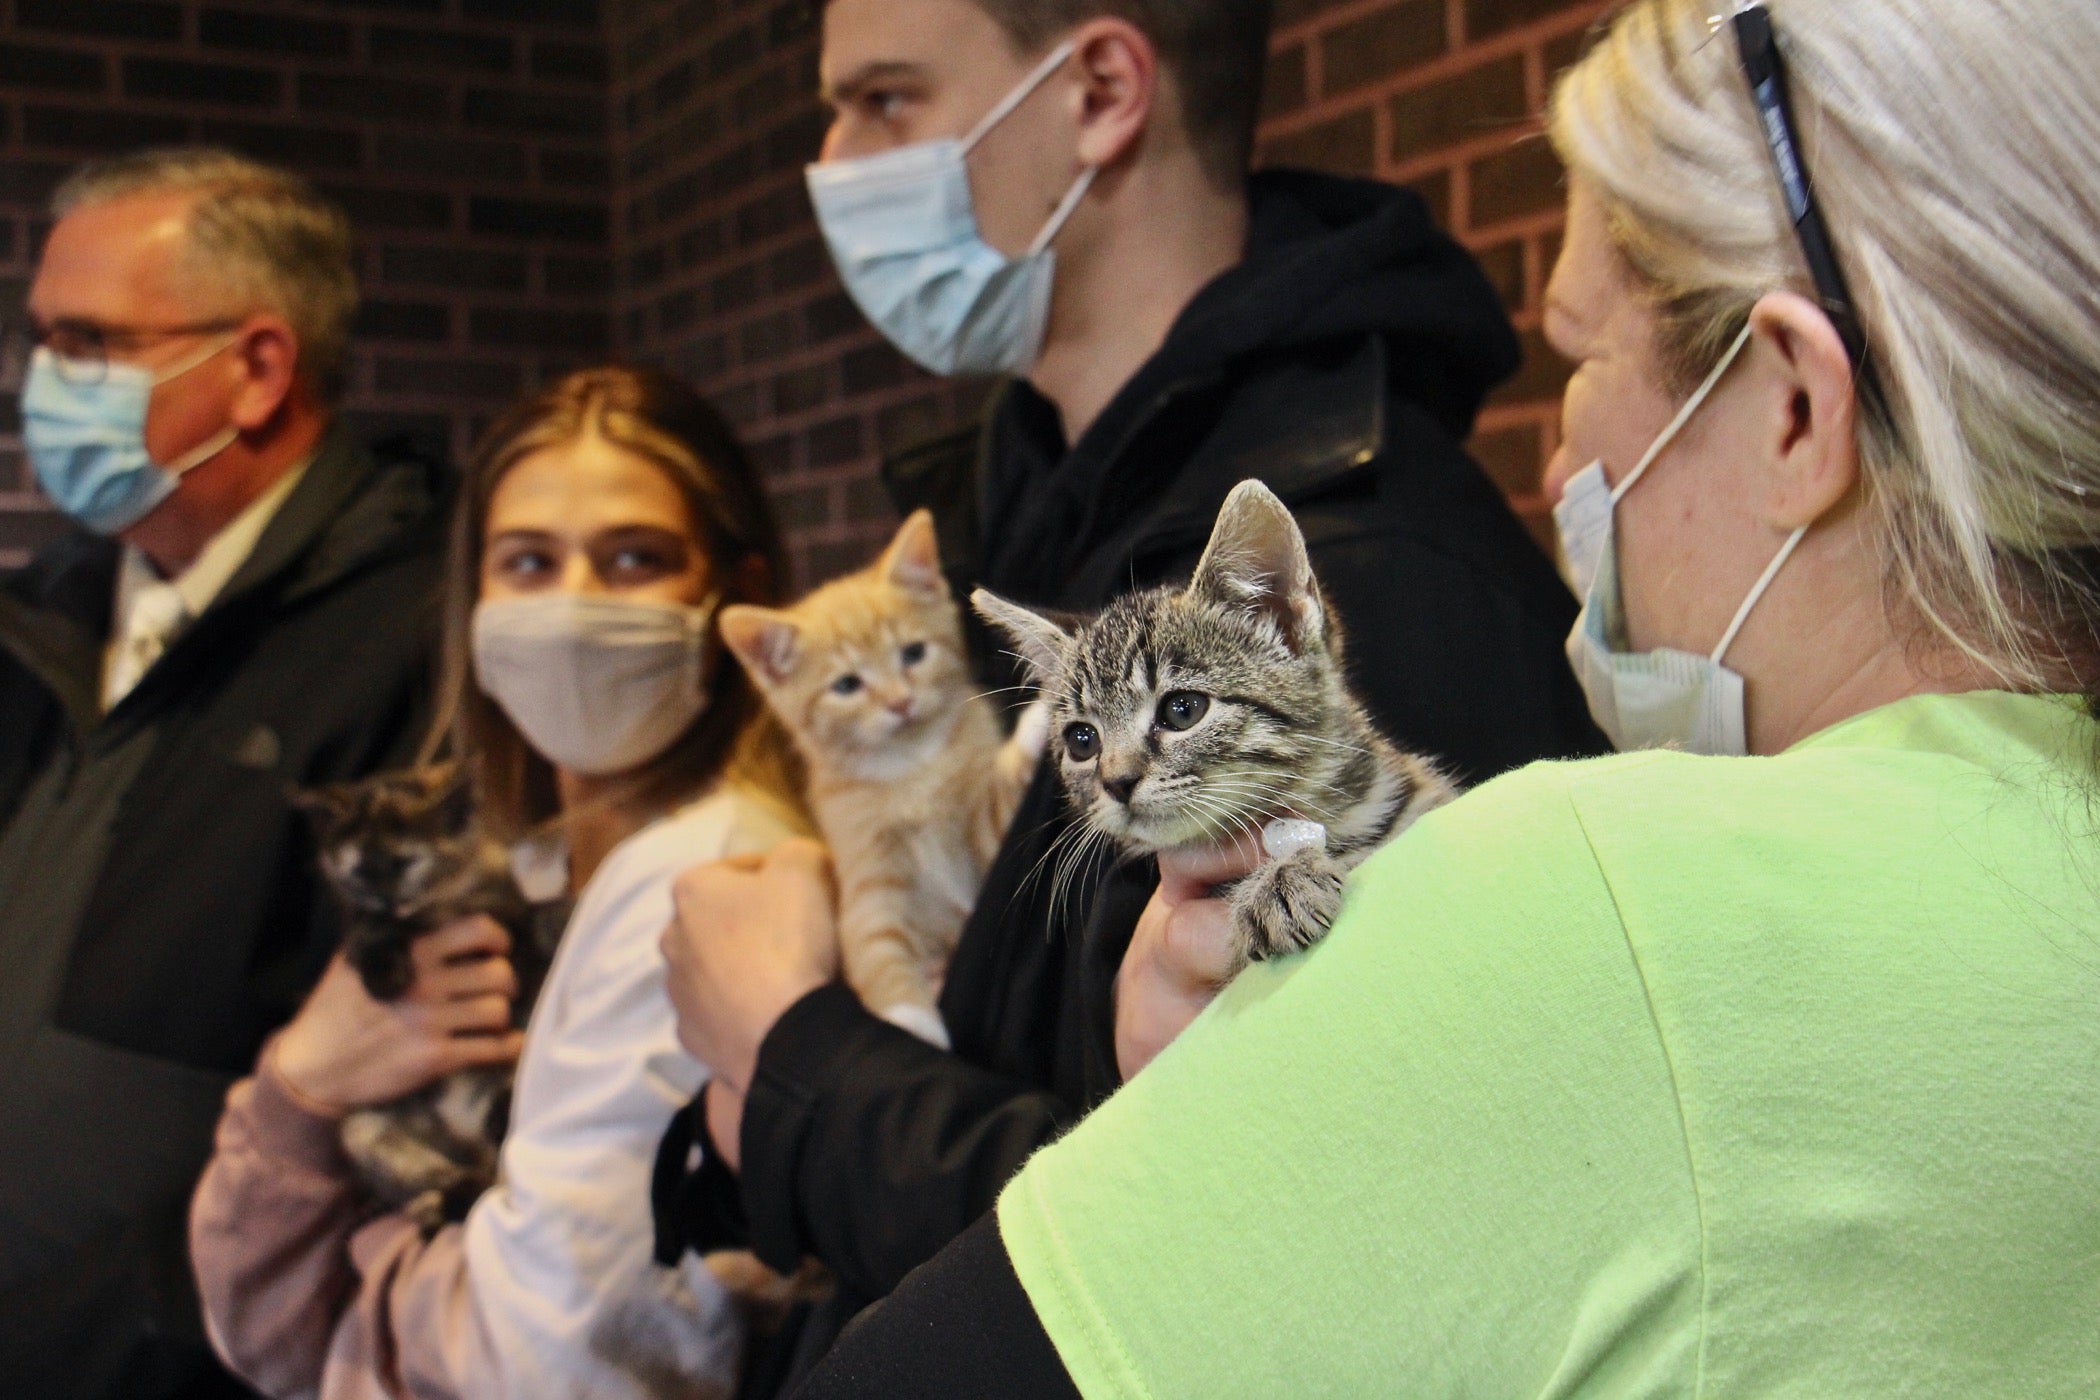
{"type": "Point", "coordinates": [1761, 1061]}
{"type": "Point", "coordinates": [600, 527]}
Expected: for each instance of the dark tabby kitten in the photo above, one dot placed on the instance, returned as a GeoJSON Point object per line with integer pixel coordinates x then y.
{"type": "Point", "coordinates": [404, 857]}
{"type": "Point", "coordinates": [1222, 710]}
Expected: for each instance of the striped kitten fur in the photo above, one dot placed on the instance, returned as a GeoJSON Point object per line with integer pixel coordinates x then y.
{"type": "Point", "coordinates": [1189, 716]}
{"type": "Point", "coordinates": [910, 780]}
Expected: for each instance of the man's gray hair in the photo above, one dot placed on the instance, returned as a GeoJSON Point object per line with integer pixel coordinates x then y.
{"type": "Point", "coordinates": [260, 239]}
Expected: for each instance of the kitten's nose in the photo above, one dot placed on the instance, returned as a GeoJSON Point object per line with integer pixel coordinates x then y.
{"type": "Point", "coordinates": [1121, 788]}
{"type": "Point", "coordinates": [900, 706]}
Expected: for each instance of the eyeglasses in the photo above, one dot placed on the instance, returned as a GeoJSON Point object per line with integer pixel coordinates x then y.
{"type": "Point", "coordinates": [1766, 71]}
{"type": "Point", "coordinates": [82, 349]}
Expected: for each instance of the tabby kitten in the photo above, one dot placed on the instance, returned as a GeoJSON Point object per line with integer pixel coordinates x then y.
{"type": "Point", "coordinates": [403, 856]}
{"type": "Point", "coordinates": [909, 778]}
{"type": "Point", "coordinates": [1196, 715]}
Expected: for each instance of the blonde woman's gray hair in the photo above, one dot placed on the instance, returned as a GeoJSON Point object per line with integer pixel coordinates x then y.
{"type": "Point", "coordinates": [1954, 146]}
{"type": "Point", "coordinates": [260, 239]}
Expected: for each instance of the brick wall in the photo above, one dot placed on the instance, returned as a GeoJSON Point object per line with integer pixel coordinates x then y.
{"type": "Point", "coordinates": [539, 183]}
{"type": "Point", "coordinates": [722, 276]}
{"type": "Point", "coordinates": [468, 138]}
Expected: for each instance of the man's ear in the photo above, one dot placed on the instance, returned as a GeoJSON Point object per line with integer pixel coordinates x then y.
{"type": "Point", "coordinates": [767, 642]}
{"type": "Point", "coordinates": [1256, 562]}
{"type": "Point", "coordinates": [268, 359]}
{"type": "Point", "coordinates": [1118, 88]}
{"type": "Point", "coordinates": [913, 560]}
{"type": "Point", "coordinates": [1810, 426]}
{"type": "Point", "coordinates": [1040, 641]}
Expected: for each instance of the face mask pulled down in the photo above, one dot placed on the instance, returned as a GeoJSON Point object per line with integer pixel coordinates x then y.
{"type": "Point", "coordinates": [902, 229]}
{"type": "Point", "coordinates": [597, 686]}
{"type": "Point", "coordinates": [1664, 698]}
{"type": "Point", "coordinates": [86, 437]}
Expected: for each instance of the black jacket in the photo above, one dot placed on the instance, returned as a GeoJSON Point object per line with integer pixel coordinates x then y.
{"type": "Point", "coordinates": [1341, 363]}
{"type": "Point", "coordinates": [160, 909]}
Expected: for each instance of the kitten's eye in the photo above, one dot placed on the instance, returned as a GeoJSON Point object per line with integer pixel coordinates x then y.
{"type": "Point", "coordinates": [1184, 709]}
{"type": "Point", "coordinates": [1082, 744]}
{"type": "Point", "coordinates": [847, 685]}
{"type": "Point", "coordinates": [913, 654]}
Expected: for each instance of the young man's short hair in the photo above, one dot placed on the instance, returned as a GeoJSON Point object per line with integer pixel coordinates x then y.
{"type": "Point", "coordinates": [1217, 51]}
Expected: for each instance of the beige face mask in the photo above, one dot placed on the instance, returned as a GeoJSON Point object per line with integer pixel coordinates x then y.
{"type": "Point", "coordinates": [596, 685]}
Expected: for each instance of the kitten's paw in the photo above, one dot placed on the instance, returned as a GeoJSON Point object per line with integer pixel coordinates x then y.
{"type": "Point", "coordinates": [1286, 906]}
{"type": "Point", "coordinates": [922, 1021]}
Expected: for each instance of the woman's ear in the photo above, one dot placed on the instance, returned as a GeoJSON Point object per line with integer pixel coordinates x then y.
{"type": "Point", "coordinates": [1811, 432]}
{"type": "Point", "coordinates": [1118, 88]}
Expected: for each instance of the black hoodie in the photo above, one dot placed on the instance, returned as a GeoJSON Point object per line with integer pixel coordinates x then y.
{"type": "Point", "coordinates": [1342, 363]}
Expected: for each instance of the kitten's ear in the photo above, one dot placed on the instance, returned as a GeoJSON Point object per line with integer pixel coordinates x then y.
{"type": "Point", "coordinates": [1256, 560]}
{"type": "Point", "coordinates": [913, 560]}
{"type": "Point", "coordinates": [1040, 641]}
{"type": "Point", "coordinates": [767, 642]}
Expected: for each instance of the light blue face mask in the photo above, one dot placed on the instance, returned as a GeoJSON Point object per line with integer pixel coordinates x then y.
{"type": "Point", "coordinates": [903, 232]}
{"type": "Point", "coordinates": [87, 441]}
{"type": "Point", "coordinates": [1655, 699]}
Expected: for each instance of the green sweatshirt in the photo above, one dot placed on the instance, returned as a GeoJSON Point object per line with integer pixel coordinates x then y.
{"type": "Point", "coordinates": [1657, 1075]}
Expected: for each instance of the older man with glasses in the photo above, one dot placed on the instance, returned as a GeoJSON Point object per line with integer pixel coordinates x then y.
{"type": "Point", "coordinates": [243, 610]}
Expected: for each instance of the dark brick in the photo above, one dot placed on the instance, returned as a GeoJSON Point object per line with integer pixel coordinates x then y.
{"type": "Point", "coordinates": [775, 90]}
{"type": "Point", "coordinates": [1486, 18]}
{"type": "Point", "coordinates": [275, 35]}
{"type": "Point", "coordinates": [453, 158]}
{"type": "Point", "coordinates": [111, 19]}
{"type": "Point", "coordinates": [791, 20]}
{"type": "Point", "coordinates": [773, 456]}
{"type": "Point", "coordinates": [7, 253]}
{"type": "Point", "coordinates": [1525, 179]}
{"type": "Point", "coordinates": [674, 85]}
{"type": "Point", "coordinates": [1290, 12]}
{"type": "Point", "coordinates": [578, 277]}
{"type": "Point", "coordinates": [867, 500]}
{"type": "Point", "coordinates": [181, 80]}
{"type": "Point", "coordinates": [839, 440]}
{"type": "Point", "coordinates": [1381, 44]}
{"type": "Point", "coordinates": [799, 265]}
{"type": "Point", "coordinates": [647, 265]}
{"type": "Point", "coordinates": [1564, 52]}
{"type": "Point", "coordinates": [740, 403]}
{"type": "Point", "coordinates": [447, 377]}
{"type": "Point", "coordinates": [678, 309]}
{"type": "Point", "coordinates": [769, 337]}
{"type": "Point", "coordinates": [310, 148]}
{"type": "Point", "coordinates": [706, 358]}
{"type": "Point", "coordinates": [470, 269]}
{"type": "Point", "coordinates": [828, 560]}
{"type": "Point", "coordinates": [447, 49]}
{"type": "Point", "coordinates": [874, 367]}
{"type": "Point", "coordinates": [735, 289]}
{"type": "Point", "coordinates": [1504, 266]}
{"type": "Point", "coordinates": [539, 328]}
{"type": "Point", "coordinates": [570, 62]}
{"type": "Point", "coordinates": [831, 316]}
{"type": "Point", "coordinates": [391, 100]}
{"type": "Point", "coordinates": [587, 169]}
{"type": "Point", "coordinates": [803, 507]}
{"type": "Point", "coordinates": [1540, 379]}
{"type": "Point", "coordinates": [1286, 86]}
{"type": "Point", "coordinates": [1473, 104]}
{"type": "Point", "coordinates": [734, 51]}
{"type": "Point", "coordinates": [537, 218]}
{"type": "Point", "coordinates": [31, 182]}
{"type": "Point", "coordinates": [99, 129]}
{"type": "Point", "coordinates": [578, 14]}
{"type": "Point", "coordinates": [372, 208]}
{"type": "Point", "coordinates": [404, 320]}
{"type": "Point", "coordinates": [773, 214]}
{"type": "Point", "coordinates": [701, 243]}
{"type": "Point", "coordinates": [799, 390]}
{"type": "Point", "coordinates": [1345, 145]}
{"type": "Point", "coordinates": [63, 70]}
{"type": "Point", "coordinates": [537, 113]}
{"type": "Point", "coordinates": [1514, 458]}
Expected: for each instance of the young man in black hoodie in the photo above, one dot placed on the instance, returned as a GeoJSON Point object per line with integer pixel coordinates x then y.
{"type": "Point", "coordinates": [1058, 190]}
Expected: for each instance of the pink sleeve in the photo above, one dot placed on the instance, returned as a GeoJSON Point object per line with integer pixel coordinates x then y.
{"type": "Point", "coordinates": [304, 1292]}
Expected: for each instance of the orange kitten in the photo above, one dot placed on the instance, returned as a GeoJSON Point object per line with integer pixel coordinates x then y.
{"type": "Point", "coordinates": [909, 777]}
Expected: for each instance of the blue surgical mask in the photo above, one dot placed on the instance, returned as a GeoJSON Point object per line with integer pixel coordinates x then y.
{"type": "Point", "coordinates": [903, 232]}
{"type": "Point", "coordinates": [87, 440]}
{"type": "Point", "coordinates": [1656, 699]}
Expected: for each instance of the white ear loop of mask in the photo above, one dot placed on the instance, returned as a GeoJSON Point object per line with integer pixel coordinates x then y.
{"type": "Point", "coordinates": [1662, 445]}
{"type": "Point", "coordinates": [1069, 205]}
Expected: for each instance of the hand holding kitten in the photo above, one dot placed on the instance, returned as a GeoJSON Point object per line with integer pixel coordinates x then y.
{"type": "Point", "coordinates": [1186, 948]}
{"type": "Point", "coordinates": [346, 1051]}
